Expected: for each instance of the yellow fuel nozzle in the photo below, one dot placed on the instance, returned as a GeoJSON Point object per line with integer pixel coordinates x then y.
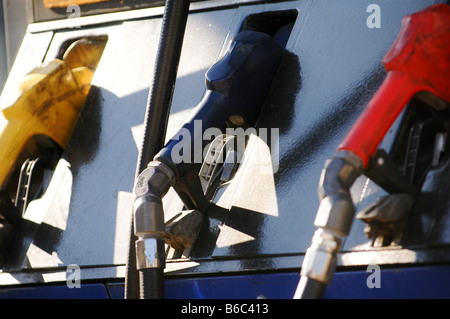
{"type": "Point", "coordinates": [46, 102]}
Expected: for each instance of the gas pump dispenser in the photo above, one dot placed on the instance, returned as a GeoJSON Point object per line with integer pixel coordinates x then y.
{"type": "Point", "coordinates": [417, 65]}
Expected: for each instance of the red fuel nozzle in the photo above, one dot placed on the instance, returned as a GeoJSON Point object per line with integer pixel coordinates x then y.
{"type": "Point", "coordinates": [419, 60]}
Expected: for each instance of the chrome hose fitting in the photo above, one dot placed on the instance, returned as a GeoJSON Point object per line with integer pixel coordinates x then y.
{"type": "Point", "coordinates": [151, 186]}
{"type": "Point", "coordinates": [334, 216]}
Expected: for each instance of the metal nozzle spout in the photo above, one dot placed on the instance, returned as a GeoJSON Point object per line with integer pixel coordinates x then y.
{"type": "Point", "coordinates": [151, 186]}
{"type": "Point", "coordinates": [333, 220]}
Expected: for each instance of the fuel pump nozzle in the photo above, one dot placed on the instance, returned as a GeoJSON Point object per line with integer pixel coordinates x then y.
{"type": "Point", "coordinates": [236, 88]}
{"type": "Point", "coordinates": [47, 101]}
{"type": "Point", "coordinates": [417, 64]}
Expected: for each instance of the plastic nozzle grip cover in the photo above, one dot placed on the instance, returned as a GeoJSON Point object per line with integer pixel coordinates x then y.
{"type": "Point", "coordinates": [236, 86]}
{"type": "Point", "coordinates": [417, 61]}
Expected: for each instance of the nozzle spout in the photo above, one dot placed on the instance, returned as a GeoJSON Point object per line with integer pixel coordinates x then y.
{"type": "Point", "coordinates": [333, 220]}
{"type": "Point", "coordinates": [151, 186]}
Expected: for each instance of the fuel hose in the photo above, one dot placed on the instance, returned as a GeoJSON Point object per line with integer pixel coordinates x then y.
{"type": "Point", "coordinates": [151, 281]}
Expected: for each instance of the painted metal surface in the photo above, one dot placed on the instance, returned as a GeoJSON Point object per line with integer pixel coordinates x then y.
{"type": "Point", "coordinates": [330, 70]}
{"type": "Point", "coordinates": [427, 282]}
{"type": "Point", "coordinates": [394, 283]}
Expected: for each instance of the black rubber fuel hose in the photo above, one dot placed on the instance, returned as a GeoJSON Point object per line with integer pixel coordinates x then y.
{"type": "Point", "coordinates": [166, 67]}
{"type": "Point", "coordinates": [155, 126]}
{"type": "Point", "coordinates": [152, 283]}
{"type": "Point", "coordinates": [312, 289]}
